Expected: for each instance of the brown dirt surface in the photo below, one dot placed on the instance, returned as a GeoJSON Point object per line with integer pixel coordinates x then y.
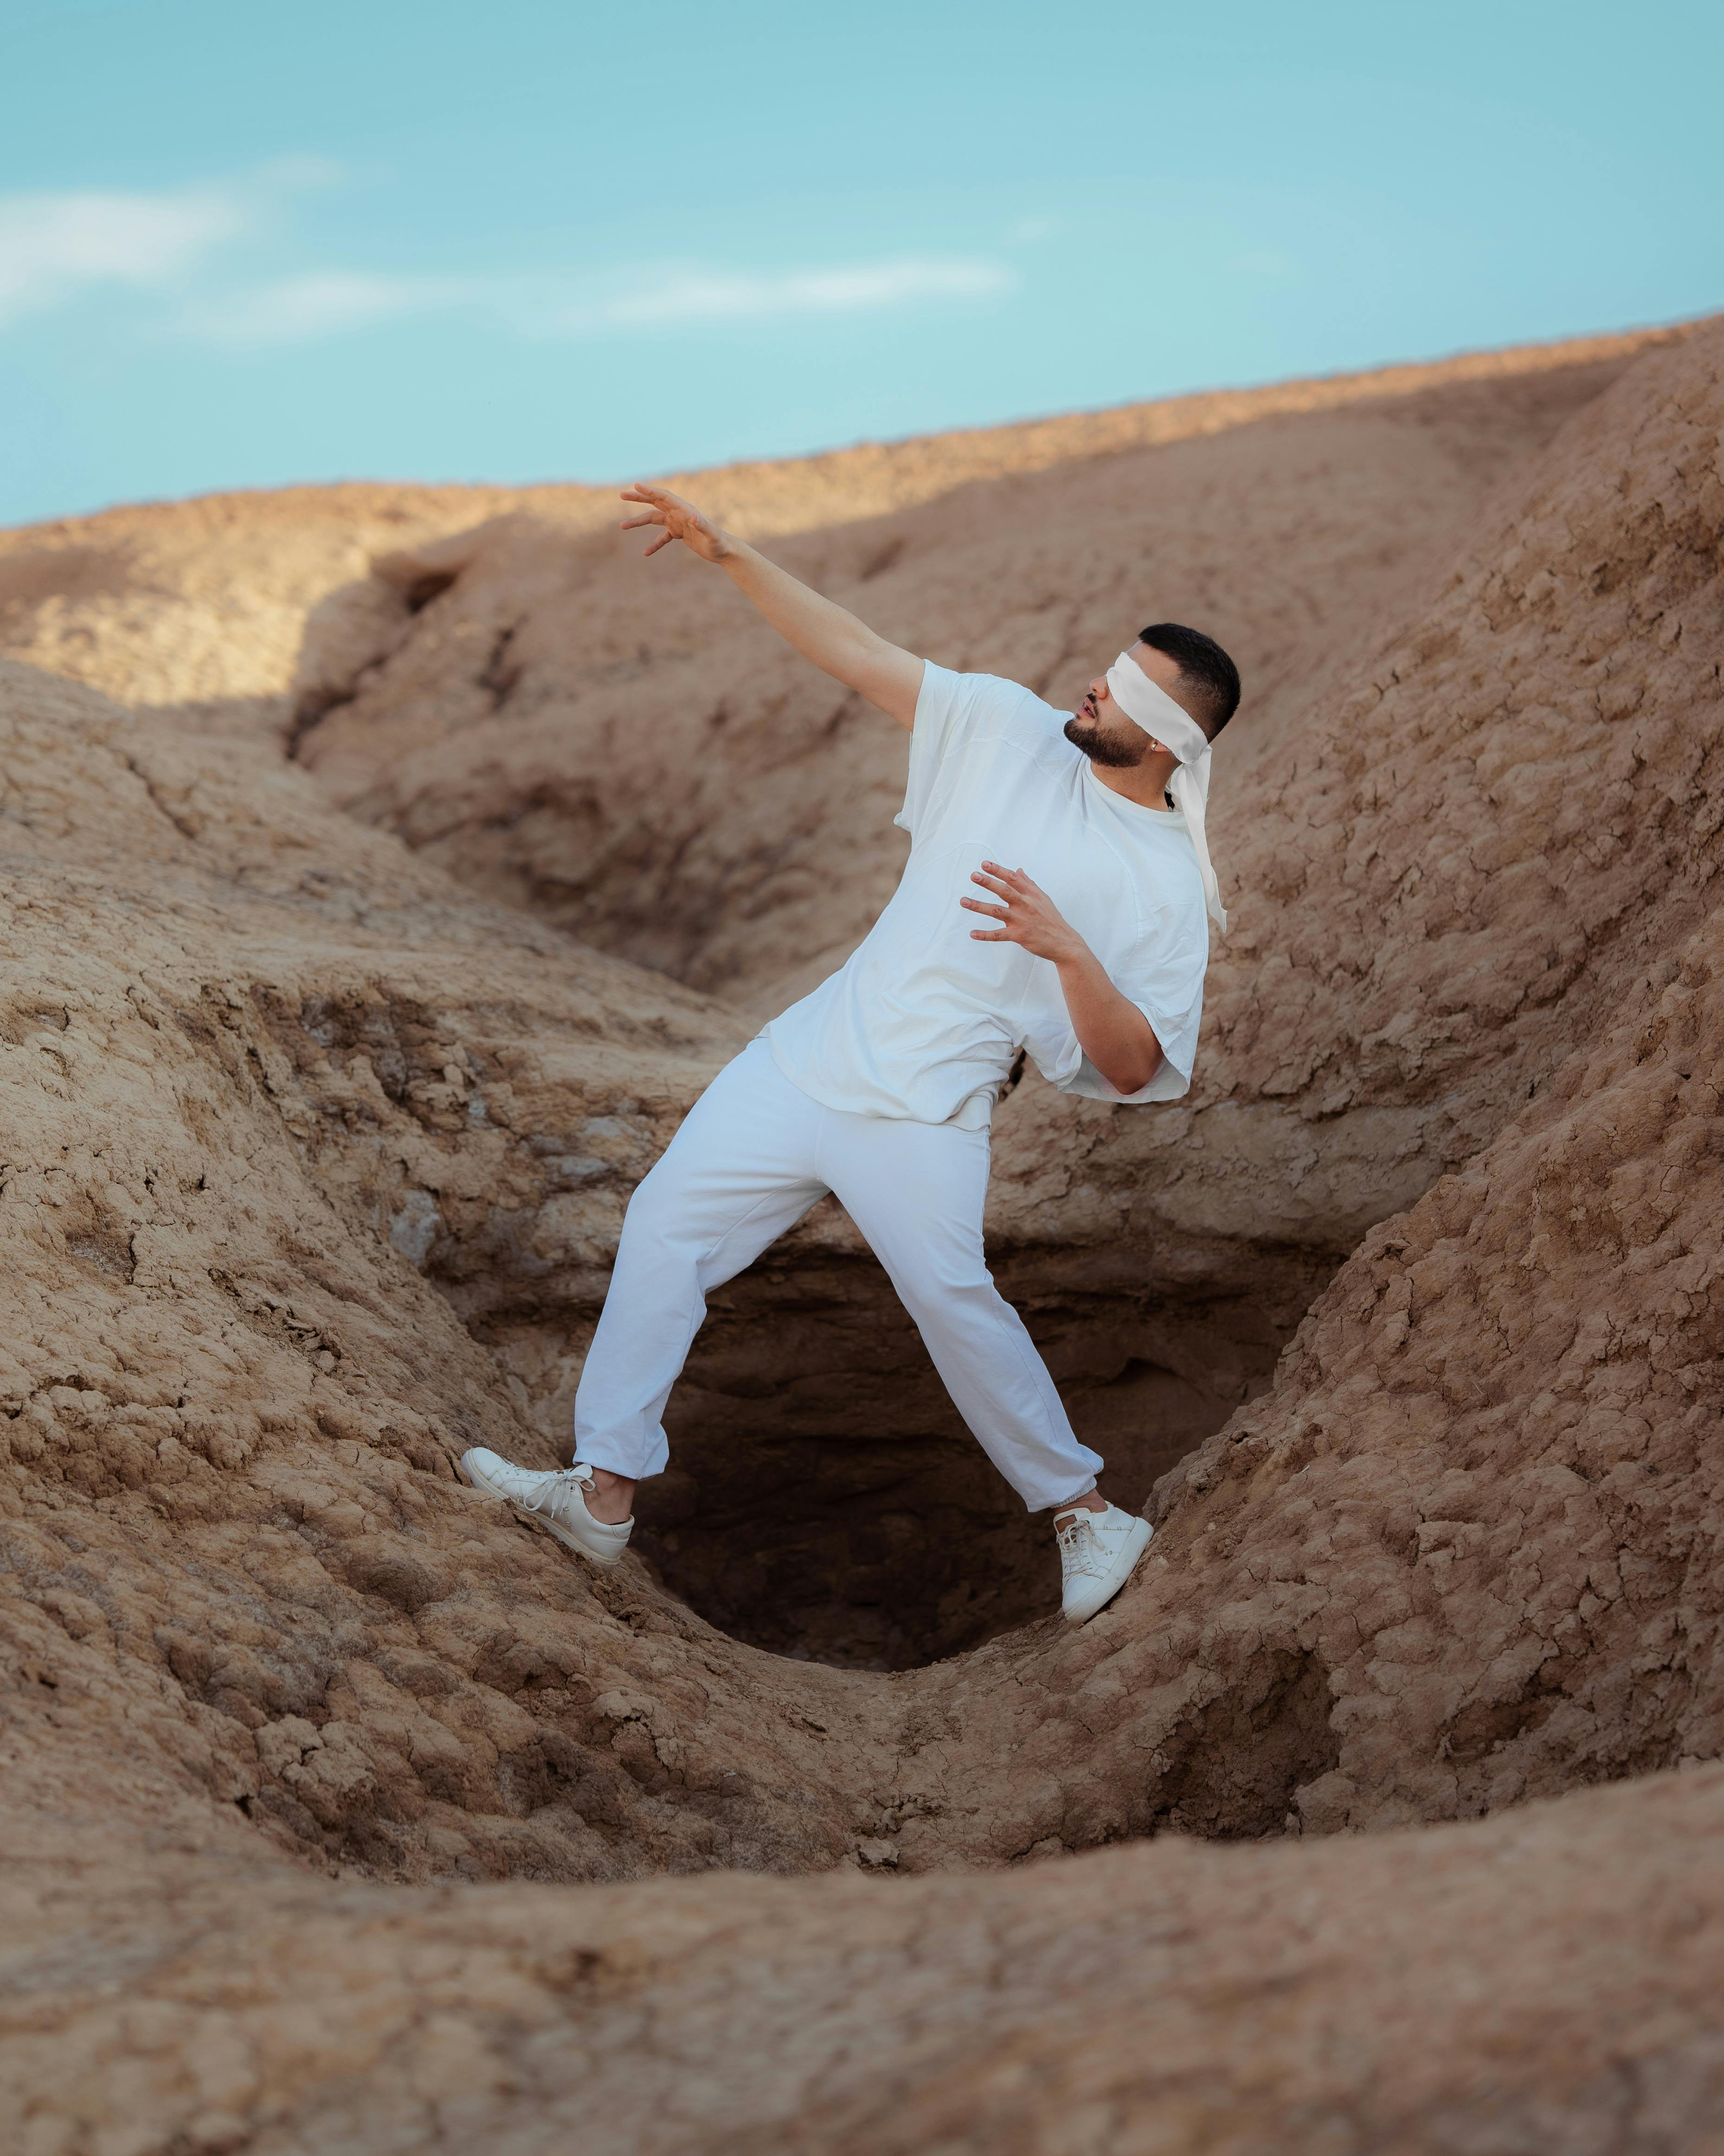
{"type": "Point", "coordinates": [1405, 1326]}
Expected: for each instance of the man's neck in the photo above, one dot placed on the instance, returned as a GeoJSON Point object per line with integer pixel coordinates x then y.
{"type": "Point", "coordinates": [1146, 783]}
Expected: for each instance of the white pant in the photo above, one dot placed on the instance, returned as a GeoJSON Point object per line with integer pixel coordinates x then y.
{"type": "Point", "coordinates": [754, 1153]}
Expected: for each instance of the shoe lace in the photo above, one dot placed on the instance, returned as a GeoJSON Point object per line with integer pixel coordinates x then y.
{"type": "Point", "coordinates": [561, 1499]}
{"type": "Point", "coordinates": [1080, 1548]}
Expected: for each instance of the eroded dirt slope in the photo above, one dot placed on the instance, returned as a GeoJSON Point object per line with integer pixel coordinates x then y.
{"type": "Point", "coordinates": [1482, 1500]}
{"type": "Point", "coordinates": [284, 1104]}
{"type": "Point", "coordinates": [1548, 1980]}
{"type": "Point", "coordinates": [236, 1551]}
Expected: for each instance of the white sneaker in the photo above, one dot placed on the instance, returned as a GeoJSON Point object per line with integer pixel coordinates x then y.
{"type": "Point", "coordinates": [1097, 1551]}
{"type": "Point", "coordinates": [558, 1499]}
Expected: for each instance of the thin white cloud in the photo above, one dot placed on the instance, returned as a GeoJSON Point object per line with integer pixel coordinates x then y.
{"type": "Point", "coordinates": [320, 303]}
{"type": "Point", "coordinates": [56, 246]}
{"type": "Point", "coordinates": [53, 246]}
{"type": "Point", "coordinates": [330, 302]}
{"type": "Point", "coordinates": [696, 296]}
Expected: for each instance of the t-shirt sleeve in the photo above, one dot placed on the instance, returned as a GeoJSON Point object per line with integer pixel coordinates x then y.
{"type": "Point", "coordinates": [947, 711]}
{"type": "Point", "coordinates": [1161, 970]}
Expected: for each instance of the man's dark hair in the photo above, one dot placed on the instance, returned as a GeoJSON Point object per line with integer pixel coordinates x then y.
{"type": "Point", "coordinates": [1204, 664]}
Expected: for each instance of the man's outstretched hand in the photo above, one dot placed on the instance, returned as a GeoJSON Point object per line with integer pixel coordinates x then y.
{"type": "Point", "coordinates": [677, 518]}
{"type": "Point", "coordinates": [817, 627]}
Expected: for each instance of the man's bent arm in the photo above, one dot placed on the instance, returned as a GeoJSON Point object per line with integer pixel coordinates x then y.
{"type": "Point", "coordinates": [1111, 1031]}
{"type": "Point", "coordinates": [838, 645]}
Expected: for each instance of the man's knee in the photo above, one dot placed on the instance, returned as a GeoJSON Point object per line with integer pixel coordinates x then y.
{"type": "Point", "coordinates": [654, 1209]}
{"type": "Point", "coordinates": [963, 1293]}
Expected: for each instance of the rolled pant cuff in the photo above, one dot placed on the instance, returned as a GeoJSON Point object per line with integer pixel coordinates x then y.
{"type": "Point", "coordinates": [618, 1459]}
{"type": "Point", "coordinates": [1088, 1491]}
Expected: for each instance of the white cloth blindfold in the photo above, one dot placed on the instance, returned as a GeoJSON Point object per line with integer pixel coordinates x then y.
{"type": "Point", "coordinates": [1149, 706]}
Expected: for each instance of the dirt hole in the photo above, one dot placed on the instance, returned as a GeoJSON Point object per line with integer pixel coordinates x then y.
{"type": "Point", "coordinates": [824, 1502]}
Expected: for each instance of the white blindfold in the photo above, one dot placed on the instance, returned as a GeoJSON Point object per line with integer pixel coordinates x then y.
{"type": "Point", "coordinates": [1149, 706]}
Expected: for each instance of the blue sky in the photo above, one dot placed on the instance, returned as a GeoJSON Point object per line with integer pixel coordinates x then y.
{"type": "Point", "coordinates": [241, 245]}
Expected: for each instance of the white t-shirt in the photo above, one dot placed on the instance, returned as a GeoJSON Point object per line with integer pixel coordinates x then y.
{"type": "Point", "coordinates": [923, 1023]}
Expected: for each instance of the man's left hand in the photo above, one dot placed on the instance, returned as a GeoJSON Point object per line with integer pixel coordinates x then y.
{"type": "Point", "coordinates": [1026, 914]}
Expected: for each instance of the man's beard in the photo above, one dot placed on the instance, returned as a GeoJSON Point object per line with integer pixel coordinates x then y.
{"type": "Point", "coordinates": [1086, 735]}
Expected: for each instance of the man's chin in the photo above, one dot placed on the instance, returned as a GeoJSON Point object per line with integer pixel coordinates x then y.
{"type": "Point", "coordinates": [1087, 737]}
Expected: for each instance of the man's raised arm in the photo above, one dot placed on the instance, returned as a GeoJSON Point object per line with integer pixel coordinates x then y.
{"type": "Point", "coordinates": [841, 645]}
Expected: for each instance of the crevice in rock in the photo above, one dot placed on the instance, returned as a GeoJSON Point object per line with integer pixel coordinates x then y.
{"type": "Point", "coordinates": [1232, 1770]}
{"type": "Point", "coordinates": [422, 590]}
{"type": "Point", "coordinates": [310, 710]}
{"type": "Point", "coordinates": [502, 675]}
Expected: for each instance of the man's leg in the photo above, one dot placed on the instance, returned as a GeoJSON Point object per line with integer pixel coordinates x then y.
{"type": "Point", "coordinates": [737, 1174]}
{"type": "Point", "coordinates": [916, 1192]}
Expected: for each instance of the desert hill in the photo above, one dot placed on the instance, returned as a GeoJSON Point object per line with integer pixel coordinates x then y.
{"type": "Point", "coordinates": [359, 959]}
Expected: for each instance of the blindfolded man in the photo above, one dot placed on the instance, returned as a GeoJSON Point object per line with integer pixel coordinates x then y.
{"type": "Point", "coordinates": [1056, 901]}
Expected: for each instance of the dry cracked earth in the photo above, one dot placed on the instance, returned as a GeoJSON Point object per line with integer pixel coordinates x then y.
{"type": "Point", "coordinates": [387, 869]}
